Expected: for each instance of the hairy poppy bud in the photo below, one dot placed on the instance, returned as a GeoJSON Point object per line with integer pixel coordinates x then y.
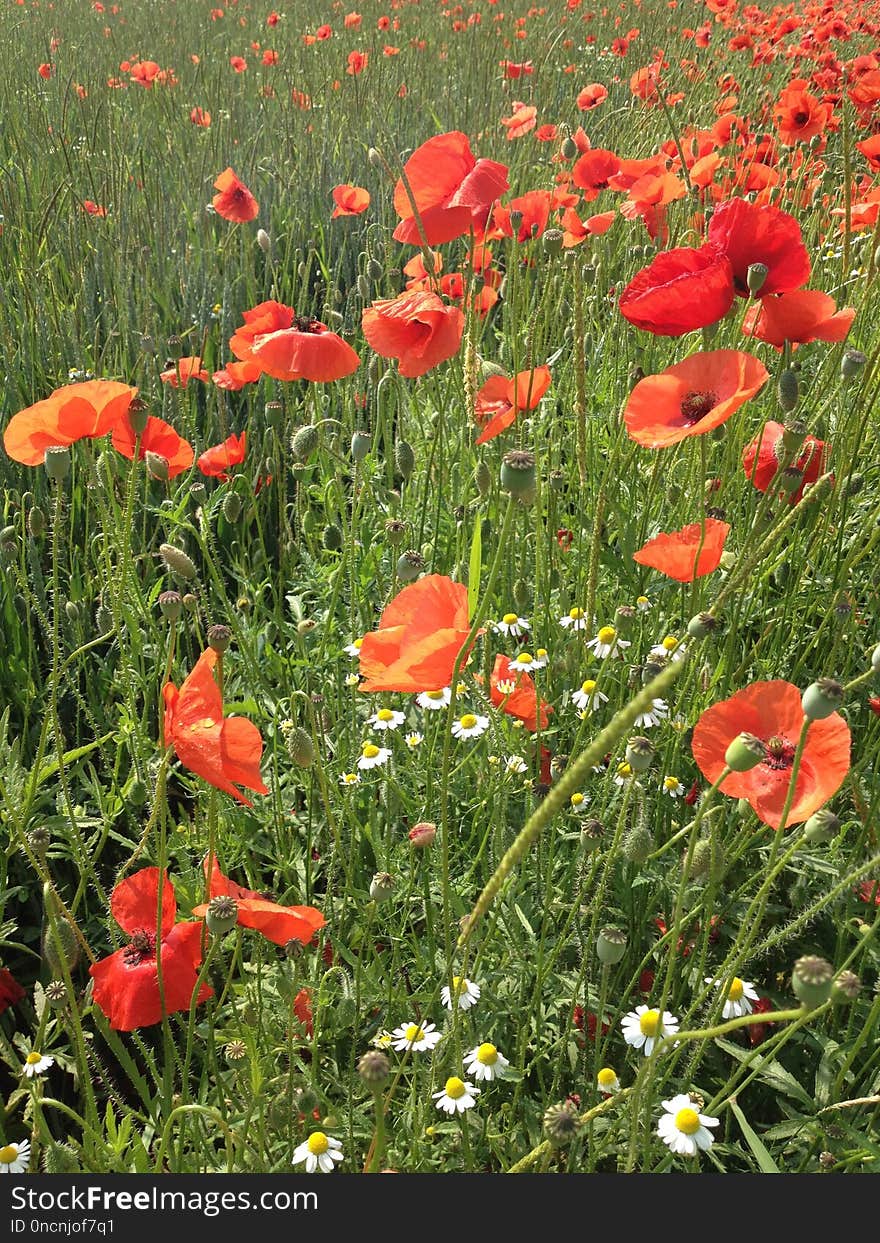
{"type": "Point", "coordinates": [569, 148]}
{"type": "Point", "coordinates": [232, 505]}
{"type": "Point", "coordinates": [331, 537]}
{"type": "Point", "coordinates": [299, 744]}
{"type": "Point", "coordinates": [60, 943]}
{"type": "Point", "coordinates": [483, 478]}
{"type": "Point", "coordinates": [381, 887]}
{"type": "Point", "coordinates": [221, 915]}
{"type": "Point", "coordinates": [178, 561]}
{"type": "Point", "coordinates": [404, 458]}
{"type": "Point", "coordinates": [191, 602]}
{"type": "Point", "coordinates": [409, 566]}
{"type": "Point", "coordinates": [363, 287]}
{"type": "Point", "coordinates": [304, 442]}
{"type": "Point", "coordinates": [36, 522]}
{"type": "Point", "coordinates": [518, 475]}
{"type": "Point", "coordinates": [756, 275]}
{"type": "Point", "coordinates": [157, 466]}
{"type": "Point", "coordinates": [788, 389]}
{"type": "Point", "coordinates": [72, 610]}
{"type": "Point", "coordinates": [374, 158]}
{"type": "Point", "coordinates": [170, 605]}
{"type": "Point", "coordinates": [745, 753]}
{"type": "Point", "coordinates": [374, 270]}
{"type": "Point", "coordinates": [821, 699]}
{"type": "Point", "coordinates": [264, 241]}
{"type": "Point", "coordinates": [811, 980]}
{"type": "Point", "coordinates": [637, 844]}
{"type": "Point", "coordinates": [57, 462]}
{"type": "Point", "coordinates": [611, 946]}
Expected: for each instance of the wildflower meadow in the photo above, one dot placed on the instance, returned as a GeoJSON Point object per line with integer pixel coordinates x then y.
{"type": "Point", "coordinates": [440, 678]}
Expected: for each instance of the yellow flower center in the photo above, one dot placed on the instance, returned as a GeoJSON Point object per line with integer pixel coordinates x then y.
{"type": "Point", "coordinates": [350, 779]}
{"type": "Point", "coordinates": [370, 751]}
{"type": "Point", "coordinates": [671, 783]}
{"type": "Point", "coordinates": [468, 721]}
{"type": "Point", "coordinates": [670, 643]}
{"type": "Point", "coordinates": [649, 1023]}
{"type": "Point", "coordinates": [606, 1077]}
{"type": "Point", "coordinates": [588, 687]}
{"type": "Point", "coordinates": [434, 694]}
{"type": "Point", "coordinates": [384, 714]}
{"type": "Point", "coordinates": [455, 1088]}
{"type": "Point", "coordinates": [624, 770]}
{"type": "Point", "coordinates": [524, 659]}
{"type": "Point", "coordinates": [33, 1058]}
{"type": "Point", "coordinates": [414, 1033]}
{"type": "Point", "coordinates": [687, 1121]}
{"type": "Point", "coordinates": [461, 689]}
{"type": "Point", "coordinates": [642, 600]}
{"type": "Point", "coordinates": [575, 614]}
{"type": "Point", "coordinates": [576, 799]}
{"type": "Point", "coordinates": [541, 653]}
{"type": "Point", "coordinates": [735, 992]}
{"type": "Point", "coordinates": [607, 634]}
{"type": "Point", "coordinates": [487, 1054]}
{"type": "Point", "coordinates": [509, 619]}
{"type": "Point", "coordinates": [357, 643]}
{"type": "Point", "coordinates": [8, 1154]}
{"type": "Point", "coordinates": [318, 1143]}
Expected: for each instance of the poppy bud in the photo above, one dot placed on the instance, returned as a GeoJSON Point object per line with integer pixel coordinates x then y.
{"type": "Point", "coordinates": [138, 414]}
{"type": "Point", "coordinates": [745, 753]}
{"type": "Point", "coordinates": [170, 605]}
{"type": "Point", "coordinates": [264, 241]}
{"type": "Point", "coordinates": [219, 638]}
{"type": "Point", "coordinates": [639, 754]}
{"type": "Point", "coordinates": [157, 466]}
{"type": "Point", "coordinates": [404, 458]}
{"type": "Point", "coordinates": [374, 1068]}
{"type": "Point", "coordinates": [232, 506]}
{"type": "Point", "coordinates": [221, 915]}
{"type": "Point", "coordinates": [374, 270]}
{"type": "Point", "coordinates": [821, 827]}
{"type": "Point", "coordinates": [787, 390]}
{"type": "Point", "coordinates": [561, 1123]}
{"type": "Point", "coordinates": [422, 834]}
{"type": "Point", "coordinates": [846, 987]}
{"type": "Point", "coordinates": [569, 148]}
{"type": "Point", "coordinates": [304, 443]}
{"type": "Point", "coordinates": [361, 443]}
{"type": "Point", "coordinates": [59, 942]}
{"type": "Point", "coordinates": [811, 980]}
{"type": "Point", "coordinates": [701, 625]}
{"type": "Point", "coordinates": [331, 537]}
{"type": "Point", "coordinates": [135, 792]}
{"type": "Point", "coordinates": [637, 844]}
{"type": "Point", "coordinates": [518, 474]}
{"type": "Point", "coordinates": [363, 287]}
{"type": "Point", "coordinates": [611, 946]}
{"type": "Point", "coordinates": [552, 241]}
{"type": "Point", "coordinates": [305, 625]}
{"type": "Point", "coordinates": [851, 364]}
{"type": "Point", "coordinates": [8, 541]}
{"type": "Point", "coordinates": [72, 610]}
{"type": "Point", "coordinates": [483, 478]}
{"type": "Point", "coordinates": [57, 462]}
{"type": "Point", "coordinates": [409, 566]}
{"type": "Point", "coordinates": [36, 522]}
{"type": "Point", "coordinates": [516, 219]}
{"type": "Point", "coordinates": [822, 698]}
{"type": "Point", "coordinates": [381, 887]}
{"type": "Point", "coordinates": [374, 158]}
{"type": "Point", "coordinates": [299, 743]}
{"type": "Point", "coordinates": [191, 602]}
{"type": "Point", "coordinates": [178, 561]}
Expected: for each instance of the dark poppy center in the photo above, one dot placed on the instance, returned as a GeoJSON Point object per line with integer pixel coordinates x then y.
{"type": "Point", "coordinates": [304, 323]}
{"type": "Point", "coordinates": [780, 752]}
{"type": "Point", "coordinates": [695, 406]}
{"type": "Point", "coordinates": [141, 947]}
{"type": "Point", "coordinates": [801, 118]}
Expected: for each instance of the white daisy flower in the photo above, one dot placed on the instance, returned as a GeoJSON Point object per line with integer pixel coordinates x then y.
{"type": "Point", "coordinates": [740, 995]}
{"type": "Point", "coordinates": [386, 718]}
{"type": "Point", "coordinates": [683, 1129]}
{"type": "Point", "coordinates": [672, 786]}
{"type": "Point", "coordinates": [512, 625]}
{"type": "Point", "coordinates": [624, 774]}
{"type": "Point", "coordinates": [319, 1152]}
{"type": "Point", "coordinates": [515, 764]}
{"type": "Point", "coordinates": [541, 658]}
{"type": "Point", "coordinates": [372, 756]}
{"type": "Point", "coordinates": [524, 662]}
{"type": "Point", "coordinates": [643, 1027]}
{"type": "Point", "coordinates": [36, 1064]}
{"type": "Point", "coordinates": [416, 1037]}
{"type": "Point", "coordinates": [382, 1039]}
{"type": "Point", "coordinates": [467, 994]}
{"type": "Point", "coordinates": [14, 1158]}
{"type": "Point", "coordinates": [658, 712]}
{"type": "Point", "coordinates": [434, 700]}
{"type": "Point", "coordinates": [578, 801]}
{"type": "Point", "coordinates": [470, 726]}
{"type": "Point", "coordinates": [485, 1062]}
{"type": "Point", "coordinates": [643, 604]}
{"type": "Point", "coordinates": [587, 698]}
{"type": "Point", "coordinates": [352, 679]}
{"type": "Point", "coordinates": [457, 1096]}
{"type": "Point", "coordinates": [607, 1081]}
{"type": "Point", "coordinates": [670, 647]}
{"type": "Point", "coordinates": [414, 740]}
{"type": "Point", "coordinates": [353, 648]}
{"type": "Point", "coordinates": [575, 619]}
{"type": "Point", "coordinates": [349, 779]}
{"type": "Point", "coordinates": [607, 643]}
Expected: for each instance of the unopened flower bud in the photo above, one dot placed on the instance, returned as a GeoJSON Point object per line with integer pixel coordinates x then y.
{"type": "Point", "coordinates": [381, 887]}
{"type": "Point", "coordinates": [374, 1068]}
{"type": "Point", "coordinates": [374, 158]}
{"type": "Point", "coordinates": [483, 478]}
{"type": "Point", "coordinates": [361, 443]}
{"type": "Point", "coordinates": [822, 698]}
{"type": "Point", "coordinates": [422, 834]}
{"type": "Point", "coordinates": [157, 466]}
{"type": "Point", "coordinates": [36, 522]}
{"type": "Point", "coordinates": [404, 458]}
{"type": "Point", "coordinates": [178, 561]}
{"type": "Point", "coordinates": [788, 390]}
{"type": "Point", "coordinates": [305, 625]}
{"type": "Point", "coordinates": [304, 442]}
{"type": "Point", "coordinates": [811, 980]}
{"type": "Point", "coordinates": [264, 241]}
{"type": "Point", "coordinates": [637, 844]}
{"type": "Point", "coordinates": [756, 275]}
{"type": "Point", "coordinates": [331, 537]}
{"type": "Point", "coordinates": [374, 270]}
{"type": "Point", "coordinates": [232, 506]}
{"type": "Point", "coordinates": [745, 753]}
{"type": "Point", "coordinates": [299, 744]}
{"type": "Point", "coordinates": [569, 148]}
{"type": "Point", "coordinates": [221, 915]}
{"type": "Point", "coordinates": [611, 946]}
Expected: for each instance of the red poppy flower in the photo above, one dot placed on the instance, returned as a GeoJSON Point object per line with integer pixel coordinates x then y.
{"type": "Point", "coordinates": [689, 553]}
{"type": "Point", "coordinates": [222, 750]}
{"type": "Point", "coordinates": [500, 400]}
{"type": "Point", "coordinates": [869, 891]}
{"type": "Point", "coordinates": [761, 464]}
{"type": "Point", "coordinates": [416, 327]}
{"type": "Point", "coordinates": [357, 63]}
{"type": "Point", "coordinates": [278, 924]}
{"type": "Point", "coordinates": [234, 376]}
{"type": "Point", "coordinates": [747, 233]}
{"type": "Point", "coordinates": [126, 985]}
{"type": "Point", "coordinates": [45, 70]}
{"type": "Point", "coordinates": [591, 96]}
{"type": "Point", "coordinates": [234, 200]}
{"type": "Point", "coordinates": [870, 149]}
{"type": "Point", "coordinates": [74, 412]}
{"type": "Point", "coordinates": [758, 1031]}
{"type": "Point", "coordinates": [451, 189]}
{"type": "Point", "coordinates": [800, 116]}
{"type": "Point", "coordinates": [238, 63]}
{"type": "Point", "coordinates": [308, 350]}
{"type": "Point", "coordinates": [302, 1008]}
{"type": "Point", "coordinates": [534, 208]}
{"type": "Point", "coordinates": [184, 370]}
{"type": "Point", "coordinates": [678, 291]}
{"type": "Point", "coordinates": [94, 209]}
{"type": "Point", "coordinates": [800, 316]}
{"type": "Point", "coordinates": [11, 991]}
{"type": "Point", "coordinates": [260, 320]}
{"type": "Point", "coordinates": [575, 230]}
{"type": "Point", "coordinates": [522, 120]}
{"type": "Point", "coordinates": [215, 462]}
{"type": "Point", "coordinates": [158, 437]}
{"type": "Point", "coordinates": [691, 397]}
{"type": "Point", "coordinates": [200, 117]}
{"type": "Point", "coordinates": [420, 634]}
{"type": "Point", "coordinates": [772, 712]}
{"type": "Point", "coordinates": [350, 200]}
{"type": "Point", "coordinates": [593, 170]}
{"type": "Point", "coordinates": [515, 694]}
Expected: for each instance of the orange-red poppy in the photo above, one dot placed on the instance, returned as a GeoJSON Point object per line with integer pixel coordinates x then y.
{"type": "Point", "coordinates": [222, 750]}
{"type": "Point", "coordinates": [800, 116]}
{"type": "Point", "coordinates": [448, 188]}
{"type": "Point", "coordinates": [692, 397]}
{"type": "Point", "coordinates": [75, 412]}
{"type": "Point", "coordinates": [234, 376]}
{"type": "Point", "coordinates": [158, 437]}
{"type": "Point", "coordinates": [750, 233]}
{"type": "Point", "coordinates": [233, 200]}
{"type": "Point", "coordinates": [679, 290]}
{"type": "Point", "coordinates": [521, 121]}
{"type": "Point", "coordinates": [179, 374]}
{"type": "Point", "coordinates": [800, 316]}
{"type": "Point", "coordinates": [259, 321]}
{"type": "Point", "coordinates": [307, 350]}
{"type": "Point", "coordinates": [91, 208]}
{"type": "Point", "coordinates": [591, 96]}
{"type": "Point", "coordinates": [279, 924]}
{"type": "Point", "coordinates": [350, 200]}
{"type": "Point", "coordinates": [761, 464]}
{"type": "Point", "coordinates": [515, 694]}
{"type": "Point", "coordinates": [870, 149]}
{"type": "Point", "coordinates": [691, 552]}
{"type": "Point", "coordinates": [593, 170]}
{"type": "Point", "coordinates": [575, 230]}
{"type": "Point", "coordinates": [216, 461]}
{"type": "Point", "coordinates": [419, 637]}
{"type": "Point", "coordinates": [500, 400]}
{"type": "Point", "coordinates": [416, 327]}
{"type": "Point", "coordinates": [534, 209]}
{"type": "Point", "coordinates": [772, 712]}
{"type": "Point", "coordinates": [200, 117]}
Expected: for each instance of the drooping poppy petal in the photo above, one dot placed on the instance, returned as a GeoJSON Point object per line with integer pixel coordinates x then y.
{"type": "Point", "coordinates": [74, 412]}
{"type": "Point", "coordinates": [691, 552]}
{"type": "Point", "coordinates": [444, 189]}
{"type": "Point", "coordinates": [748, 233]}
{"type": "Point", "coordinates": [679, 290]}
{"type": "Point", "coordinates": [234, 376]}
{"type": "Point", "coordinates": [417, 328]}
{"type": "Point", "coordinates": [233, 200]}
{"type": "Point", "coordinates": [420, 634]}
{"type": "Point", "coordinates": [277, 923]}
{"type": "Point", "coordinates": [158, 437]}
{"type": "Point", "coordinates": [216, 461]}
{"type": "Point", "coordinates": [306, 351]}
{"type": "Point", "coordinates": [500, 400]}
{"type": "Point", "coordinates": [800, 316]}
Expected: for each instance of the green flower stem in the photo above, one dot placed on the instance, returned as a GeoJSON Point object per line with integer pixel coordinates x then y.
{"type": "Point", "coordinates": [545, 1149]}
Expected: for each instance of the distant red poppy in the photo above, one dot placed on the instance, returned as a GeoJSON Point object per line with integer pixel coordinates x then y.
{"type": "Point", "coordinates": [158, 437]}
{"type": "Point", "coordinates": [800, 116]}
{"type": "Point", "coordinates": [278, 924]}
{"type": "Point", "coordinates": [11, 992]}
{"type": "Point", "coordinates": [45, 70]}
{"type": "Point", "coordinates": [500, 400]}
{"type": "Point", "coordinates": [811, 462]}
{"type": "Point", "coordinates": [308, 350]}
{"type": "Point", "coordinates": [215, 462]}
{"type": "Point", "coordinates": [419, 637]}
{"type": "Point", "coordinates": [692, 397]}
{"type": "Point", "coordinates": [747, 233]}
{"type": "Point", "coordinates": [74, 412]}
{"type": "Point", "coordinates": [591, 96]}
{"type": "Point", "coordinates": [126, 985]}
{"type": "Point", "coordinates": [678, 291]}
{"type": "Point", "coordinates": [221, 750]}
{"type": "Point", "coordinates": [145, 72]}
{"type": "Point", "coordinates": [302, 1008]}
{"type": "Point", "coordinates": [676, 554]}
{"type": "Point", "coordinates": [357, 63]}
{"type": "Point", "coordinates": [451, 190]}
{"type": "Point", "coordinates": [200, 117]}
{"type": "Point", "coordinates": [183, 370]}
{"type": "Point", "coordinates": [416, 327]}
{"type": "Point", "coordinates": [772, 712]}
{"type": "Point", "coordinates": [350, 201]}
{"type": "Point", "coordinates": [92, 208]}
{"type": "Point", "coordinates": [521, 121]}
{"type": "Point", "coordinates": [238, 63]}
{"type": "Point", "coordinates": [516, 69]}
{"type": "Point", "coordinates": [515, 694]}
{"type": "Point", "coordinates": [800, 316]}
{"type": "Point", "coordinates": [533, 207]}
{"type": "Point", "coordinates": [234, 200]}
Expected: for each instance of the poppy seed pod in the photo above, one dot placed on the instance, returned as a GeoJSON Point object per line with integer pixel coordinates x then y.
{"type": "Point", "coordinates": [701, 625]}
{"type": "Point", "coordinates": [846, 987]}
{"type": "Point", "coordinates": [756, 275]}
{"type": "Point", "coordinates": [177, 561]}
{"type": "Point", "coordinates": [304, 442]}
{"type": "Point", "coordinates": [552, 241]}
{"type": "Point", "coordinates": [794, 433]}
{"type": "Point", "coordinates": [811, 980]}
{"type": "Point", "coordinates": [851, 364]}
{"type": "Point", "coordinates": [611, 946]}
{"type": "Point", "coordinates": [221, 915]}
{"type": "Point", "coordinates": [745, 753]}
{"type": "Point", "coordinates": [57, 462]}
{"type": "Point", "coordinates": [788, 390]}
{"type": "Point", "coordinates": [219, 638]}
{"type": "Point", "coordinates": [821, 827]}
{"type": "Point", "coordinates": [409, 566]}
{"type": "Point", "coordinates": [138, 416]}
{"type": "Point", "coordinates": [518, 476]}
{"type": "Point", "coordinates": [790, 480]}
{"type": "Point", "coordinates": [170, 605]}
{"type": "Point", "coordinates": [361, 443]}
{"type": "Point", "coordinates": [191, 602]}
{"type": "Point", "coordinates": [561, 1123]}
{"type": "Point", "coordinates": [592, 833]}
{"type": "Point", "coordinates": [381, 887]}
{"type": "Point", "coordinates": [56, 994]}
{"type": "Point", "coordinates": [374, 1068]}
{"type": "Point", "coordinates": [395, 531]}
{"type": "Point", "coordinates": [822, 698]}
{"type": "Point", "coordinates": [640, 754]}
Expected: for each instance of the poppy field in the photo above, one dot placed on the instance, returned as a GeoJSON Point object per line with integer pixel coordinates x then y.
{"type": "Point", "coordinates": [440, 695]}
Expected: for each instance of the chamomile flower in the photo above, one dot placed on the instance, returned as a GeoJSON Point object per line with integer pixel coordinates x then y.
{"type": "Point", "coordinates": [523, 662]}
{"type": "Point", "coordinates": [575, 619]}
{"type": "Point", "coordinates": [353, 648]}
{"type": "Point", "coordinates": [512, 625]}
{"type": "Point", "coordinates": [372, 756]}
{"type": "Point", "coordinates": [351, 679]}
{"type": "Point", "coordinates": [386, 718]}
{"type": "Point", "coordinates": [624, 774]}
{"type": "Point", "coordinates": [415, 1036]}
{"type": "Point", "coordinates": [740, 995]}
{"type": "Point", "coordinates": [349, 779]}
{"type": "Point", "coordinates": [515, 764]}
{"type": "Point", "coordinates": [457, 1096]}
{"type": "Point", "coordinates": [14, 1158]}
{"type": "Point", "coordinates": [683, 1128]}
{"type": "Point", "coordinates": [382, 1039]}
{"type": "Point", "coordinates": [434, 700]}
{"type": "Point", "coordinates": [643, 604]}
{"type": "Point", "coordinates": [470, 726]}
{"type": "Point", "coordinates": [466, 993]}
{"type": "Point", "coordinates": [607, 1081]}
{"type": "Point", "coordinates": [607, 643]}
{"type": "Point", "coordinates": [319, 1152]}
{"type": "Point", "coordinates": [587, 698]}
{"type": "Point", "coordinates": [414, 740]}
{"type": "Point", "coordinates": [643, 1027]}
{"type": "Point", "coordinates": [541, 658]}
{"type": "Point", "coordinates": [672, 786]}
{"type": "Point", "coordinates": [658, 712]}
{"type": "Point", "coordinates": [36, 1063]}
{"type": "Point", "coordinates": [671, 647]}
{"type": "Point", "coordinates": [578, 801]}
{"type": "Point", "coordinates": [485, 1062]}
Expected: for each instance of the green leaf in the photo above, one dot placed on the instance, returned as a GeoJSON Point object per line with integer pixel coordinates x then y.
{"type": "Point", "coordinates": [766, 1164]}
{"type": "Point", "coordinates": [70, 757]}
{"type": "Point", "coordinates": [474, 566]}
{"type": "Point", "coordinates": [773, 1074]}
{"type": "Point", "coordinates": [525, 923]}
